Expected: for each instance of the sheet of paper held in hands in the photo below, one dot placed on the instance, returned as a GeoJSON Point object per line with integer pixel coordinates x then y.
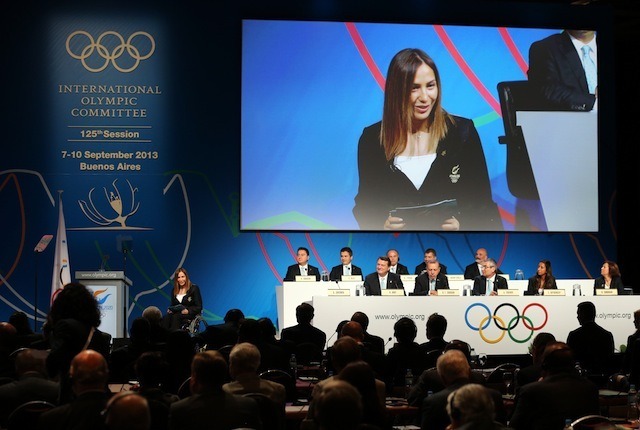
{"type": "Point", "coordinates": [429, 216]}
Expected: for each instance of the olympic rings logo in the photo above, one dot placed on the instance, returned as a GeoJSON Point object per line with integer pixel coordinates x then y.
{"type": "Point", "coordinates": [101, 48]}
{"type": "Point", "coordinates": [500, 323]}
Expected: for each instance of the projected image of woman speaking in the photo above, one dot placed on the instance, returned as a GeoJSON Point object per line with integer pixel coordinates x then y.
{"type": "Point", "coordinates": [421, 168]}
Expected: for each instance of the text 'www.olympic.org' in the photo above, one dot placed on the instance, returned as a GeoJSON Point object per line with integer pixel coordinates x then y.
{"type": "Point", "coordinates": [398, 316]}
{"type": "Point", "coordinates": [613, 316]}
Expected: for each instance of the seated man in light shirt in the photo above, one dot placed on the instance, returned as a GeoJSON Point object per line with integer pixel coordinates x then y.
{"type": "Point", "coordinates": [489, 282]}
{"type": "Point", "coordinates": [395, 265]}
{"type": "Point", "coordinates": [382, 278]}
{"type": "Point", "coordinates": [347, 268]}
{"type": "Point", "coordinates": [429, 255]}
{"type": "Point", "coordinates": [303, 267]}
{"type": "Point", "coordinates": [431, 281]}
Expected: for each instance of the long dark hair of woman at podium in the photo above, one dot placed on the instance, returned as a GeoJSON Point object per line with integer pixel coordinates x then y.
{"type": "Point", "coordinates": [186, 301]}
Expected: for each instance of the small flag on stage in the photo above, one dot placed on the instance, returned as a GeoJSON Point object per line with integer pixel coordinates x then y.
{"type": "Point", "coordinates": [61, 269]}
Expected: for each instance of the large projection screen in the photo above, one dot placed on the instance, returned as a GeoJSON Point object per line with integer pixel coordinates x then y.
{"type": "Point", "coordinates": [310, 88]}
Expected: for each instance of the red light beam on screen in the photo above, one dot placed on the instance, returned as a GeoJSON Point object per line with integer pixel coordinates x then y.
{"type": "Point", "coordinates": [267, 258]}
{"type": "Point", "coordinates": [364, 53]}
{"type": "Point", "coordinates": [513, 49]}
{"type": "Point", "coordinates": [466, 70]}
{"type": "Point", "coordinates": [315, 251]}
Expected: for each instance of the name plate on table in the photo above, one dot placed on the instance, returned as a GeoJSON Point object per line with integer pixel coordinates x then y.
{"type": "Point", "coordinates": [509, 292]}
{"type": "Point", "coordinates": [408, 278]}
{"type": "Point", "coordinates": [448, 292]}
{"type": "Point", "coordinates": [352, 278]}
{"type": "Point", "coordinates": [455, 277]}
{"type": "Point", "coordinates": [392, 292]}
{"type": "Point", "coordinates": [606, 292]}
{"type": "Point", "coordinates": [558, 292]}
{"type": "Point", "coordinates": [306, 278]}
{"type": "Point", "coordinates": [336, 292]}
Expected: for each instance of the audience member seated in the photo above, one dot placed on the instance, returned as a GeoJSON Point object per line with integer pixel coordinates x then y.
{"type": "Point", "coordinates": [152, 373]}
{"type": "Point", "coordinates": [429, 255]}
{"type": "Point", "coordinates": [304, 331]}
{"type": "Point", "coordinates": [158, 333]}
{"type": "Point", "coordinates": [244, 362]}
{"type": "Point", "coordinates": [533, 372]}
{"type": "Point", "coordinates": [209, 406]}
{"type": "Point", "coordinates": [8, 344]}
{"type": "Point", "coordinates": [431, 281]}
{"type": "Point", "coordinates": [122, 360]}
{"type": "Point", "coordinates": [561, 394]}
{"type": "Point", "coordinates": [25, 335]}
{"type": "Point", "coordinates": [338, 407]}
{"type": "Point", "coordinates": [454, 370]}
{"type": "Point", "coordinates": [403, 355]}
{"type": "Point", "coordinates": [475, 269]}
{"type": "Point", "coordinates": [435, 344]}
{"type": "Point", "coordinates": [592, 345]}
{"type": "Point", "coordinates": [471, 407]}
{"type": "Point", "coordinates": [376, 360]}
{"type": "Point", "coordinates": [71, 326]}
{"type": "Point", "coordinates": [268, 334]}
{"type": "Point", "coordinates": [630, 354]}
{"type": "Point", "coordinates": [127, 410]}
{"type": "Point", "coordinates": [218, 335]}
{"type": "Point", "coordinates": [430, 381]}
{"type": "Point", "coordinates": [361, 376]}
{"type": "Point", "coordinates": [179, 354]}
{"type": "Point", "coordinates": [32, 384]}
{"type": "Point", "coordinates": [89, 375]}
{"type": "Point", "coordinates": [272, 356]}
{"type": "Point", "coordinates": [371, 341]}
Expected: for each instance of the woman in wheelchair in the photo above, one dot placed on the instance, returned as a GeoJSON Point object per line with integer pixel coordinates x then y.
{"type": "Point", "coordinates": [186, 302]}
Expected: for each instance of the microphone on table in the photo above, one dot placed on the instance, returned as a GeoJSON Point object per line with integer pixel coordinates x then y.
{"type": "Point", "coordinates": [326, 345]}
{"type": "Point", "coordinates": [388, 340]}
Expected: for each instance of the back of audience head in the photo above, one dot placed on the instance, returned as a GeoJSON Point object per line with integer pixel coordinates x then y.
{"type": "Point", "coordinates": [361, 318]}
{"type": "Point", "coordinates": [558, 358]}
{"type": "Point", "coordinates": [453, 365]}
{"type": "Point", "coordinates": [586, 312]}
{"type": "Point", "coordinates": [459, 345]}
{"type": "Point", "coordinates": [208, 372]}
{"type": "Point", "coordinates": [354, 330]}
{"type": "Point", "coordinates": [153, 314]}
{"type": "Point", "coordinates": [338, 406]}
{"type": "Point", "coordinates": [244, 358]}
{"type": "Point", "coordinates": [88, 372]}
{"type": "Point", "coordinates": [470, 403]}
{"type": "Point", "coordinates": [234, 316]}
{"type": "Point", "coordinates": [362, 377]}
{"type": "Point", "coordinates": [249, 331]}
{"type": "Point", "coordinates": [339, 327]}
{"type": "Point", "coordinates": [20, 321]}
{"type": "Point", "coordinates": [539, 344]}
{"type": "Point", "coordinates": [31, 360]}
{"type": "Point", "coordinates": [151, 369]}
{"type": "Point", "coordinates": [304, 313]}
{"type": "Point", "coordinates": [267, 328]}
{"type": "Point", "coordinates": [140, 330]}
{"type": "Point", "coordinates": [127, 410]}
{"type": "Point", "coordinates": [8, 336]}
{"type": "Point", "coordinates": [344, 351]}
{"type": "Point", "coordinates": [75, 301]}
{"type": "Point", "coordinates": [405, 330]}
{"type": "Point", "coordinates": [436, 326]}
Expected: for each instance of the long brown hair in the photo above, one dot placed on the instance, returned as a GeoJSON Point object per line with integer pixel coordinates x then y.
{"type": "Point", "coordinates": [397, 113]}
{"type": "Point", "coordinates": [176, 287]}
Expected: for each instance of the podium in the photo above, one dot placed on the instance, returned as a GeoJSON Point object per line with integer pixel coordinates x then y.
{"type": "Point", "coordinates": [111, 290]}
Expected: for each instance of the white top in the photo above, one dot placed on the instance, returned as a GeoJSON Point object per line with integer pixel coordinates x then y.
{"type": "Point", "coordinates": [415, 168]}
{"type": "Point", "coordinates": [180, 297]}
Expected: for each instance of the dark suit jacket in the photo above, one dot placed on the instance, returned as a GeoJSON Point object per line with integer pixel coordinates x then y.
{"type": "Point", "coordinates": [81, 414]}
{"type": "Point", "coordinates": [616, 284]}
{"type": "Point", "coordinates": [373, 342]}
{"type": "Point", "coordinates": [532, 286]}
{"type": "Point", "coordinates": [480, 285]}
{"type": "Point", "coordinates": [593, 347]}
{"type": "Point", "coordinates": [192, 301]}
{"type": "Point", "coordinates": [30, 386]}
{"type": "Point", "coordinates": [555, 69]}
{"type": "Point", "coordinates": [422, 268]}
{"type": "Point", "coordinates": [372, 283]}
{"type": "Point", "coordinates": [294, 270]}
{"type": "Point", "coordinates": [336, 272]}
{"type": "Point", "coordinates": [546, 404]}
{"type": "Point", "coordinates": [215, 411]}
{"type": "Point", "coordinates": [402, 270]}
{"type": "Point", "coordinates": [471, 271]}
{"type": "Point", "coordinates": [422, 283]}
{"type": "Point", "coordinates": [301, 333]}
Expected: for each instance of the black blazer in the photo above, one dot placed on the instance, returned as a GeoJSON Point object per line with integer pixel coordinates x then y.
{"type": "Point", "coordinates": [532, 287]}
{"type": "Point", "coordinates": [402, 269]}
{"type": "Point", "coordinates": [422, 283]}
{"type": "Point", "coordinates": [192, 300]}
{"type": "Point", "coordinates": [422, 268]}
{"type": "Point", "coordinates": [372, 283]}
{"type": "Point", "coordinates": [616, 283]}
{"type": "Point", "coordinates": [336, 272]}
{"type": "Point", "coordinates": [480, 285]}
{"type": "Point", "coordinates": [471, 271]}
{"type": "Point", "coordinates": [294, 270]}
{"type": "Point", "coordinates": [555, 69]}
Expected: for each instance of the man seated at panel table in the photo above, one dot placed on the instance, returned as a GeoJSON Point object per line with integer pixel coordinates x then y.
{"type": "Point", "coordinates": [490, 282]}
{"type": "Point", "coordinates": [382, 279]}
{"type": "Point", "coordinates": [431, 281]}
{"type": "Point", "coordinates": [346, 268]}
{"type": "Point", "coordinates": [429, 255]}
{"type": "Point", "coordinates": [303, 268]}
{"type": "Point", "coordinates": [475, 269]}
{"type": "Point", "coordinates": [395, 266]}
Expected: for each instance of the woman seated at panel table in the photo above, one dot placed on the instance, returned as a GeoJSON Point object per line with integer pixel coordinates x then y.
{"type": "Point", "coordinates": [542, 280]}
{"type": "Point", "coordinates": [609, 278]}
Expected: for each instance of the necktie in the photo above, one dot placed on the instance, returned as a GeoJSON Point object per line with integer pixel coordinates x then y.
{"type": "Point", "coordinates": [383, 283]}
{"type": "Point", "coordinates": [432, 286]}
{"type": "Point", "coordinates": [488, 287]}
{"type": "Point", "coordinates": [589, 69]}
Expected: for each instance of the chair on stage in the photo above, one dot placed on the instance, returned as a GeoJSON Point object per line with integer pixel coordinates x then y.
{"type": "Point", "coordinates": [593, 422]}
{"type": "Point", "coordinates": [26, 416]}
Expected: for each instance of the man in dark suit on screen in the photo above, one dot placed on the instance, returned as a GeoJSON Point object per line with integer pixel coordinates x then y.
{"type": "Point", "coordinates": [346, 267]}
{"type": "Point", "coordinates": [382, 279]}
{"type": "Point", "coordinates": [303, 268]}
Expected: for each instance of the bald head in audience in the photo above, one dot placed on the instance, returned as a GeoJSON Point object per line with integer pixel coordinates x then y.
{"type": "Point", "coordinates": [89, 372]}
{"type": "Point", "coordinates": [127, 411]}
{"type": "Point", "coordinates": [452, 366]}
{"type": "Point", "coordinates": [338, 406]}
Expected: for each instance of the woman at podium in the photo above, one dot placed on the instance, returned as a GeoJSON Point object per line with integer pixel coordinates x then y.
{"type": "Point", "coordinates": [186, 301]}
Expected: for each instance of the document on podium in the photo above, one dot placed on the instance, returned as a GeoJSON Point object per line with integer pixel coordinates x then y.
{"type": "Point", "coordinates": [428, 216]}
